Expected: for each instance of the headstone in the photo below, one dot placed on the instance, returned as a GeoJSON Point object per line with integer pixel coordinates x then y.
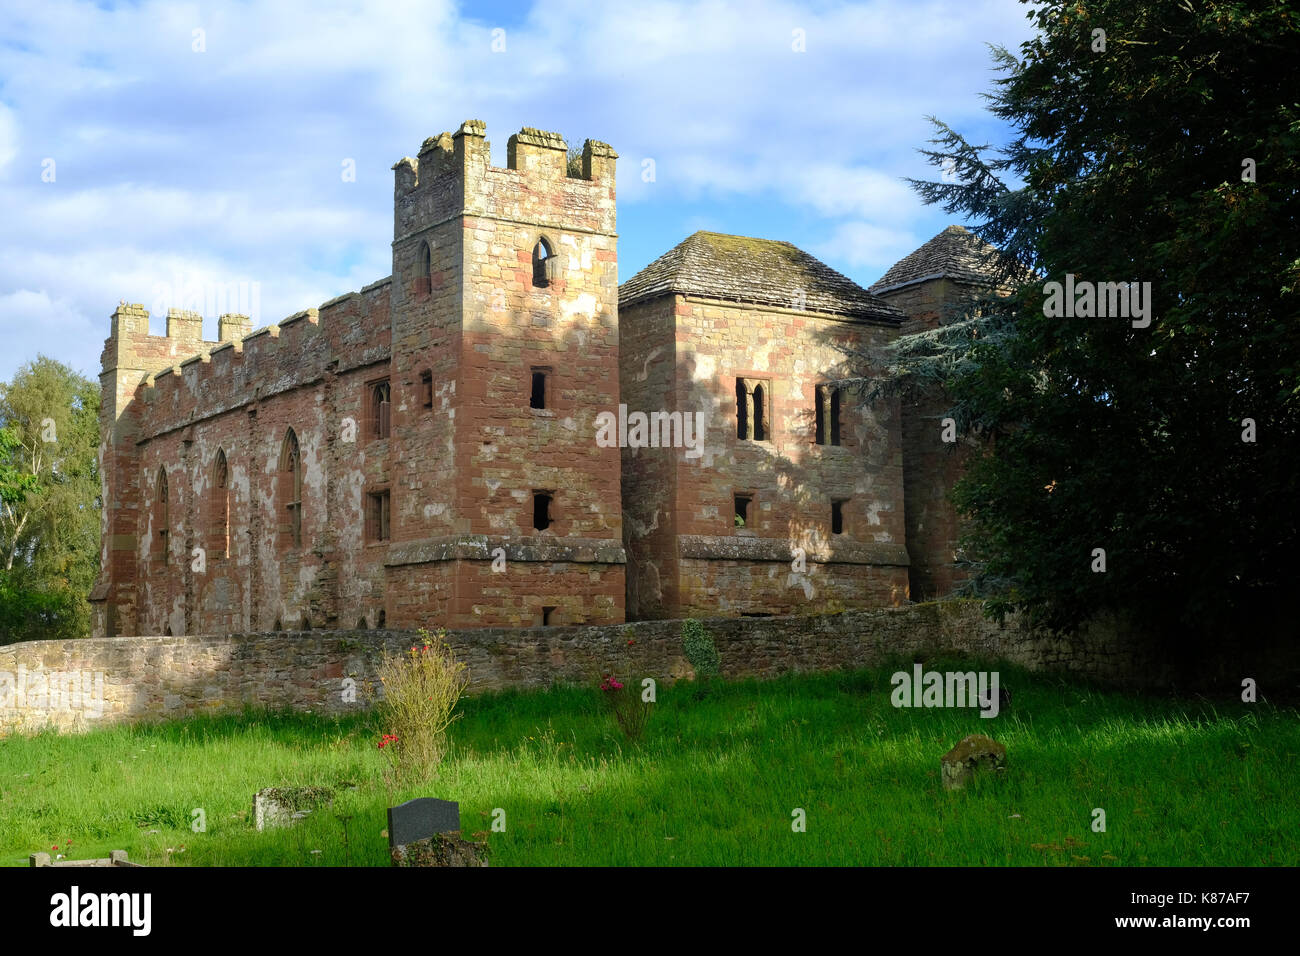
{"type": "Point", "coordinates": [420, 819]}
{"type": "Point", "coordinates": [974, 753]}
{"type": "Point", "coordinates": [426, 832]}
{"type": "Point", "coordinates": [281, 806]}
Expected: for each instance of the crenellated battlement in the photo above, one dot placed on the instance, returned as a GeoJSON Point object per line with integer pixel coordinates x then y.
{"type": "Point", "coordinates": [453, 176]}
{"type": "Point", "coordinates": [181, 371]}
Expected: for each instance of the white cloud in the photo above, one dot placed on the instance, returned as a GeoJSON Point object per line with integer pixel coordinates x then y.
{"type": "Point", "coordinates": [224, 165]}
{"type": "Point", "coordinates": [867, 246]}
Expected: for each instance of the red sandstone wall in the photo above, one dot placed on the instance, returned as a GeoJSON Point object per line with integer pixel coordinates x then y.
{"type": "Point", "coordinates": [724, 569]}
{"type": "Point", "coordinates": [648, 382]}
{"type": "Point", "coordinates": [930, 465]}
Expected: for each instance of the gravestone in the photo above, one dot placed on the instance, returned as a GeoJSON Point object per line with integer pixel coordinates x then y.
{"type": "Point", "coordinates": [281, 806]}
{"type": "Point", "coordinates": [420, 819]}
{"type": "Point", "coordinates": [975, 752]}
{"type": "Point", "coordinates": [426, 832]}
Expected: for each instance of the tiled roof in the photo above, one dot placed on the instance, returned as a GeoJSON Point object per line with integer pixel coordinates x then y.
{"type": "Point", "coordinates": [956, 253]}
{"type": "Point", "coordinates": [755, 271]}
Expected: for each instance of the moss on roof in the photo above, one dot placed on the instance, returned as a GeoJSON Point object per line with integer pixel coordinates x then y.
{"type": "Point", "coordinates": [754, 271]}
{"type": "Point", "coordinates": [955, 253]}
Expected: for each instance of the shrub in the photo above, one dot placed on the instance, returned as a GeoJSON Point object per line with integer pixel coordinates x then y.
{"type": "Point", "coordinates": [421, 690]}
{"type": "Point", "coordinates": [701, 653]}
{"type": "Point", "coordinates": [631, 712]}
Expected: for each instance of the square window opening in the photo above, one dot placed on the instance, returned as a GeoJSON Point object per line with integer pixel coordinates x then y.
{"type": "Point", "coordinates": [541, 510]}
{"type": "Point", "coordinates": [743, 503]}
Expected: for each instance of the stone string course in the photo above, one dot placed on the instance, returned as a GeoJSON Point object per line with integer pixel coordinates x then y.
{"type": "Point", "coordinates": [169, 677]}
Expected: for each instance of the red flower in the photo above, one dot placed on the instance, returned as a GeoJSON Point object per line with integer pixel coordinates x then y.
{"type": "Point", "coordinates": [630, 642]}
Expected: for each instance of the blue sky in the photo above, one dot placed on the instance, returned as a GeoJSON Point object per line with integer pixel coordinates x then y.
{"type": "Point", "coordinates": [198, 168]}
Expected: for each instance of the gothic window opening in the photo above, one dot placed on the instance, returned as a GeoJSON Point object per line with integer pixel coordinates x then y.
{"type": "Point", "coordinates": [162, 516]}
{"type": "Point", "coordinates": [424, 283]}
{"type": "Point", "coordinates": [753, 409]}
{"type": "Point", "coordinates": [290, 492]}
{"type": "Point", "coordinates": [219, 506]}
{"type": "Point", "coordinates": [543, 267]}
{"type": "Point", "coordinates": [380, 409]}
{"type": "Point", "coordinates": [742, 409]}
{"type": "Point", "coordinates": [828, 415]}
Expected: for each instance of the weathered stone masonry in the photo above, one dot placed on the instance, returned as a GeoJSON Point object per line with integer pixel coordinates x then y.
{"type": "Point", "coordinates": [423, 451]}
{"type": "Point", "coordinates": [144, 678]}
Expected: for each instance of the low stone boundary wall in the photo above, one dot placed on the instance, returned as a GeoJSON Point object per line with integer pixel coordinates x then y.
{"type": "Point", "coordinates": [83, 683]}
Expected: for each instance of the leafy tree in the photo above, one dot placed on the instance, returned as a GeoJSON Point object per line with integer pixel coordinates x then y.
{"type": "Point", "coordinates": [49, 501]}
{"type": "Point", "coordinates": [1132, 160]}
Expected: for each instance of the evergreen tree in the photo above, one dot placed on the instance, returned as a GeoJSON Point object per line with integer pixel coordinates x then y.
{"type": "Point", "coordinates": [1163, 149]}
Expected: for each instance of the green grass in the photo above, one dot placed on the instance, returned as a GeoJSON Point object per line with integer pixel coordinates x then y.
{"type": "Point", "coordinates": [714, 781]}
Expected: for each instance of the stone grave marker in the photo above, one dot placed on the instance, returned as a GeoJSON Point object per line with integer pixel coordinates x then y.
{"type": "Point", "coordinates": [426, 832]}
{"type": "Point", "coordinates": [420, 819]}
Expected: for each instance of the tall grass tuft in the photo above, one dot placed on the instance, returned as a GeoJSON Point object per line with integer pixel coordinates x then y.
{"type": "Point", "coordinates": [421, 690]}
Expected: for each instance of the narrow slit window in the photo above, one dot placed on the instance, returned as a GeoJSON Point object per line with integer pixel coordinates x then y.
{"type": "Point", "coordinates": [290, 491]}
{"type": "Point", "coordinates": [760, 416]}
{"type": "Point", "coordinates": [820, 413]}
{"type": "Point", "coordinates": [541, 510]}
{"type": "Point", "coordinates": [425, 284]}
{"type": "Point", "coordinates": [548, 616]}
{"type": "Point", "coordinates": [837, 517]}
{"type": "Point", "coordinates": [426, 389]}
{"type": "Point", "coordinates": [743, 503]}
{"type": "Point", "coordinates": [219, 541]}
{"type": "Point", "coordinates": [163, 516]}
{"type": "Point", "coordinates": [380, 409]}
{"type": "Point", "coordinates": [537, 398]}
{"type": "Point", "coordinates": [835, 416]}
{"type": "Point", "coordinates": [377, 516]}
{"type": "Point", "coordinates": [742, 409]}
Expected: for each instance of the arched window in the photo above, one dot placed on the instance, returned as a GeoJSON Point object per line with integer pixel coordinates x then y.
{"type": "Point", "coordinates": [742, 409]}
{"type": "Point", "coordinates": [760, 418]}
{"type": "Point", "coordinates": [219, 507]}
{"type": "Point", "coordinates": [162, 516]}
{"type": "Point", "coordinates": [424, 284]}
{"type": "Point", "coordinates": [380, 409]}
{"type": "Point", "coordinates": [290, 491]}
{"type": "Point", "coordinates": [543, 267]}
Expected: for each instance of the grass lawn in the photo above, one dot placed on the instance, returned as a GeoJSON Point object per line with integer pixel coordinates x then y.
{"type": "Point", "coordinates": [715, 781]}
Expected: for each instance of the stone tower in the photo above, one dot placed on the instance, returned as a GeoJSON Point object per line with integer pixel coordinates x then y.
{"type": "Point", "coordinates": [504, 350]}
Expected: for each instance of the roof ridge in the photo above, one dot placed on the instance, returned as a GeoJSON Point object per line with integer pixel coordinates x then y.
{"type": "Point", "coordinates": [770, 272]}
